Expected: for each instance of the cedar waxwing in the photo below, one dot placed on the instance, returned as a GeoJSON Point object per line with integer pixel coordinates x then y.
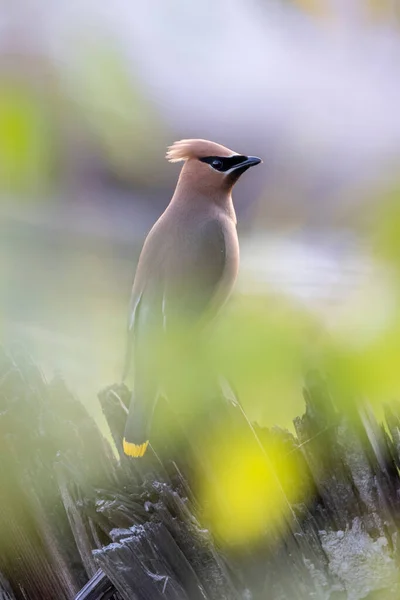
{"type": "Point", "coordinates": [186, 270]}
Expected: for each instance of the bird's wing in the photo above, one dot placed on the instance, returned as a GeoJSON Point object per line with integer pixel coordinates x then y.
{"type": "Point", "coordinates": [191, 290]}
{"type": "Point", "coordinates": [177, 286]}
{"type": "Point", "coordinates": [133, 309]}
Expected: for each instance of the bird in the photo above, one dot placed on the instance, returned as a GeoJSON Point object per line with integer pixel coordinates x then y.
{"type": "Point", "coordinates": [186, 270]}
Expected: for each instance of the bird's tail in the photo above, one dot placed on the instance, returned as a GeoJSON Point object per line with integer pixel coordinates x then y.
{"type": "Point", "coordinates": [135, 450]}
{"type": "Point", "coordinates": [137, 428]}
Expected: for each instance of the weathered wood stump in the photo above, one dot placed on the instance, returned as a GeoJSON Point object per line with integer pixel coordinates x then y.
{"type": "Point", "coordinates": [68, 507]}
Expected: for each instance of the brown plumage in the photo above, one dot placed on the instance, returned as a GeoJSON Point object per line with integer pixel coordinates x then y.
{"type": "Point", "coordinates": [186, 270]}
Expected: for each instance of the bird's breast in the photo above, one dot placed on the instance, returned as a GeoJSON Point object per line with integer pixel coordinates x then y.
{"type": "Point", "coordinates": [232, 258]}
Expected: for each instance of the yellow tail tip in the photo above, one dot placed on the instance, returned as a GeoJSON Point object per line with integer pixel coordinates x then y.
{"type": "Point", "coordinates": [135, 450]}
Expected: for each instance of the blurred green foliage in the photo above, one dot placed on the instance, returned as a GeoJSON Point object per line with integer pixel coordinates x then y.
{"type": "Point", "coordinates": [261, 345]}
{"type": "Point", "coordinates": [361, 353]}
{"type": "Point", "coordinates": [121, 117]}
{"type": "Point", "coordinates": [384, 232]}
{"type": "Point", "coordinates": [245, 499]}
{"type": "Point", "coordinates": [25, 139]}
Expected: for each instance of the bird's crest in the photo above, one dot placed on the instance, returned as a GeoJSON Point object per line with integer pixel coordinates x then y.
{"type": "Point", "coordinates": [186, 149]}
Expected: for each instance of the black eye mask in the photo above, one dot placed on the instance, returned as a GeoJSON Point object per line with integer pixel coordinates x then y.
{"type": "Point", "coordinates": [223, 163]}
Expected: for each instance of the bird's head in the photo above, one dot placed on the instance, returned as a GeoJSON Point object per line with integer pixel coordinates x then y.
{"type": "Point", "coordinates": [209, 167]}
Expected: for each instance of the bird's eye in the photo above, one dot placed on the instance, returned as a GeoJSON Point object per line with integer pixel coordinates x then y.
{"type": "Point", "coordinates": [217, 164]}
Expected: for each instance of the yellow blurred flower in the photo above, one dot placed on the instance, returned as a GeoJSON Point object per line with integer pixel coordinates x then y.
{"type": "Point", "coordinates": [246, 500]}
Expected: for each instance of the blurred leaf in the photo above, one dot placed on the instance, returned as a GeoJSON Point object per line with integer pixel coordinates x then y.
{"type": "Point", "coordinates": [25, 145]}
{"type": "Point", "coordinates": [262, 346]}
{"type": "Point", "coordinates": [385, 233]}
{"type": "Point", "coordinates": [369, 371]}
{"type": "Point", "coordinates": [115, 103]}
{"type": "Point", "coordinates": [245, 499]}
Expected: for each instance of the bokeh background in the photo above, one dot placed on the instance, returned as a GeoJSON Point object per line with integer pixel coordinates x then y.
{"type": "Point", "coordinates": [91, 94]}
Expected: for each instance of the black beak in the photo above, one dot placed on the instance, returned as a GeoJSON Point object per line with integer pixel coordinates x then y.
{"type": "Point", "coordinates": [251, 161]}
{"type": "Point", "coordinates": [240, 168]}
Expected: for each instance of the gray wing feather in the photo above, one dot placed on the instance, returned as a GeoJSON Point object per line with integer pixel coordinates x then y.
{"type": "Point", "coordinates": [133, 310]}
{"type": "Point", "coordinates": [186, 292]}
